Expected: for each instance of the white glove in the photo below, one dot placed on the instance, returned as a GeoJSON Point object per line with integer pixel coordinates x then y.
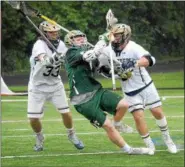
{"type": "Point", "coordinates": [58, 57]}
{"type": "Point", "coordinates": [89, 55]}
{"type": "Point", "coordinates": [99, 46]}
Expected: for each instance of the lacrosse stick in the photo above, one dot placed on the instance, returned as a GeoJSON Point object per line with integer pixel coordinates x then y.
{"type": "Point", "coordinates": [111, 20]}
{"type": "Point", "coordinates": [19, 6]}
{"type": "Point", "coordinates": [30, 11]}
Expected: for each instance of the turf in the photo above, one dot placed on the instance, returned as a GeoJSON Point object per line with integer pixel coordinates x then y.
{"type": "Point", "coordinates": [17, 137]}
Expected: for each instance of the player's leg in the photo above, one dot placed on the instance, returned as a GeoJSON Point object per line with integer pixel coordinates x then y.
{"type": "Point", "coordinates": [117, 119]}
{"type": "Point", "coordinates": [111, 98]}
{"type": "Point", "coordinates": [94, 109]}
{"type": "Point", "coordinates": [118, 140]}
{"type": "Point", "coordinates": [34, 113]}
{"type": "Point", "coordinates": [59, 99]}
{"type": "Point", "coordinates": [136, 108]}
{"type": "Point", "coordinates": [155, 105]}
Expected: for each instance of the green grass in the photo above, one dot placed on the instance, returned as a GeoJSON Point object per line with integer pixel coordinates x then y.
{"type": "Point", "coordinates": [17, 137]}
{"type": "Point", "coordinates": [161, 80]}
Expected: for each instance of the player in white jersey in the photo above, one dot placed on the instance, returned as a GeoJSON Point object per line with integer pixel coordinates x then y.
{"type": "Point", "coordinates": [138, 88]}
{"type": "Point", "coordinates": [45, 84]}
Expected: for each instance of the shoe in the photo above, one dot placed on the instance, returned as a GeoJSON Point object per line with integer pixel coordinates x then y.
{"type": "Point", "coordinates": [38, 148]}
{"type": "Point", "coordinates": [151, 146]}
{"type": "Point", "coordinates": [169, 143]}
{"type": "Point", "coordinates": [124, 128]}
{"type": "Point", "coordinates": [140, 151]}
{"type": "Point", "coordinates": [39, 143]}
{"type": "Point", "coordinates": [77, 143]}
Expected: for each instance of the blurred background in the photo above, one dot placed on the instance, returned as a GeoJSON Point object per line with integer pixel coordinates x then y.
{"type": "Point", "coordinates": [157, 26]}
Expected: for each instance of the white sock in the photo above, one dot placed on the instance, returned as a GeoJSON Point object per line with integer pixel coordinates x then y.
{"type": "Point", "coordinates": [39, 134]}
{"type": "Point", "coordinates": [126, 148]}
{"type": "Point", "coordinates": [148, 141]}
{"type": "Point", "coordinates": [116, 123]}
{"type": "Point", "coordinates": [70, 131]}
{"type": "Point", "coordinates": [162, 123]}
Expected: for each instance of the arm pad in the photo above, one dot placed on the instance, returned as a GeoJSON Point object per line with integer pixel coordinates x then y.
{"type": "Point", "coordinates": [150, 59]}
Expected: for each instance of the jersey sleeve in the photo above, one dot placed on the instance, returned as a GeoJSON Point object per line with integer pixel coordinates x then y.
{"type": "Point", "coordinates": [139, 51]}
{"type": "Point", "coordinates": [74, 56]}
{"type": "Point", "coordinates": [62, 48]}
{"type": "Point", "coordinates": [38, 48]}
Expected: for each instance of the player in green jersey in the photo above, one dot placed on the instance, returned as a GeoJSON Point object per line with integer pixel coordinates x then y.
{"type": "Point", "coordinates": [87, 94]}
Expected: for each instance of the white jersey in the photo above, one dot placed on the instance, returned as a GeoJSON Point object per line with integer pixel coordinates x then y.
{"type": "Point", "coordinates": [44, 78]}
{"type": "Point", "coordinates": [140, 77]}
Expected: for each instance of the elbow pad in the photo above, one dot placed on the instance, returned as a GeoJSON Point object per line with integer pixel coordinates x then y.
{"type": "Point", "coordinates": [150, 59]}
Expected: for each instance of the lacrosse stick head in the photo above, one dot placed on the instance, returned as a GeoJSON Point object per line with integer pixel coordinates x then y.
{"type": "Point", "coordinates": [111, 19]}
{"type": "Point", "coordinates": [15, 4]}
{"type": "Point", "coordinates": [75, 38]}
{"type": "Point", "coordinates": [121, 35]}
{"type": "Point", "coordinates": [23, 7]}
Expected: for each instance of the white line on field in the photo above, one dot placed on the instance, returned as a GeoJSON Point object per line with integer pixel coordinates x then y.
{"type": "Point", "coordinates": [71, 154]}
{"type": "Point", "coordinates": [84, 133]}
{"type": "Point", "coordinates": [81, 119]}
{"type": "Point", "coordinates": [23, 100]}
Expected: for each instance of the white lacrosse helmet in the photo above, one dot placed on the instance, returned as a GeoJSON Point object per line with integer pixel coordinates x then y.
{"type": "Point", "coordinates": [50, 30]}
{"type": "Point", "coordinates": [75, 38]}
{"type": "Point", "coordinates": [124, 31]}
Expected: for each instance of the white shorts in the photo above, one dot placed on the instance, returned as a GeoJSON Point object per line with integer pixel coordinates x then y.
{"type": "Point", "coordinates": [37, 99]}
{"type": "Point", "coordinates": [148, 98]}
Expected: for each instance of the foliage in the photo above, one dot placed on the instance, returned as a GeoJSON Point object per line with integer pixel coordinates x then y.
{"type": "Point", "coordinates": [158, 26]}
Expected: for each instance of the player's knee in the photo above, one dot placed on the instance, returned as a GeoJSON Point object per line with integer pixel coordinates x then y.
{"type": "Point", "coordinates": [157, 112]}
{"type": "Point", "coordinates": [122, 105]}
{"type": "Point", "coordinates": [108, 125]}
{"type": "Point", "coordinates": [138, 115]}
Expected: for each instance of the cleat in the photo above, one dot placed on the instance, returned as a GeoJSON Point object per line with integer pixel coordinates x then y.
{"type": "Point", "coordinates": [77, 143]}
{"type": "Point", "coordinates": [169, 143]}
{"type": "Point", "coordinates": [124, 128]}
{"type": "Point", "coordinates": [140, 151]}
{"type": "Point", "coordinates": [39, 143]}
{"type": "Point", "coordinates": [38, 148]}
{"type": "Point", "coordinates": [151, 146]}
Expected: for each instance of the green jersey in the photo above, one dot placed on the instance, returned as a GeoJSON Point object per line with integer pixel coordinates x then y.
{"type": "Point", "coordinates": [79, 73]}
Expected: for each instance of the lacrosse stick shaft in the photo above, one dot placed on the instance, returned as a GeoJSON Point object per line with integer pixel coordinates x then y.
{"type": "Point", "coordinates": [16, 5]}
{"type": "Point", "coordinates": [112, 67]}
{"type": "Point", "coordinates": [46, 39]}
{"type": "Point", "coordinates": [55, 23]}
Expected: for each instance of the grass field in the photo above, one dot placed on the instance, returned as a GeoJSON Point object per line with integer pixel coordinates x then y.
{"type": "Point", "coordinates": [17, 137]}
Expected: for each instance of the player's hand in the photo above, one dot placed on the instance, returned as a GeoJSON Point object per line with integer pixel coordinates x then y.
{"type": "Point", "coordinates": [89, 56]}
{"type": "Point", "coordinates": [128, 64]}
{"type": "Point", "coordinates": [58, 57]}
{"type": "Point", "coordinates": [99, 46]}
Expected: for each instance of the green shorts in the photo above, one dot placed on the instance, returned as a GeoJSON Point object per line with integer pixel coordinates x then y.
{"type": "Point", "coordinates": [94, 109]}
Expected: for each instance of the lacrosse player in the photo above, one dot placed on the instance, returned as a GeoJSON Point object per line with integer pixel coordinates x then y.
{"type": "Point", "coordinates": [45, 84]}
{"type": "Point", "coordinates": [137, 86]}
{"type": "Point", "coordinates": [87, 94]}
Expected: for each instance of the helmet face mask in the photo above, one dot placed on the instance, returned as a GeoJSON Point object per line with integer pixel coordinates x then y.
{"type": "Point", "coordinates": [51, 31]}
{"type": "Point", "coordinates": [75, 38]}
{"type": "Point", "coordinates": [122, 34]}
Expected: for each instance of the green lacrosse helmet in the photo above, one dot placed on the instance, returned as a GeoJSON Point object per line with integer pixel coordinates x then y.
{"type": "Point", "coordinates": [70, 41]}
